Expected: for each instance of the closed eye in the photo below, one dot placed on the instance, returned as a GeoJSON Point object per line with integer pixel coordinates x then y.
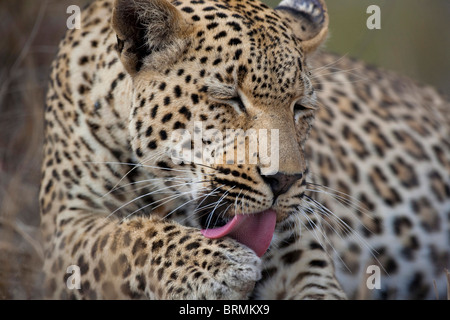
{"type": "Point", "coordinates": [234, 101]}
{"type": "Point", "coordinates": [237, 101]}
{"type": "Point", "coordinates": [300, 108]}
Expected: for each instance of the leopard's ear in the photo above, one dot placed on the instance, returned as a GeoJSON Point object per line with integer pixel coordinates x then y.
{"type": "Point", "coordinates": [309, 21]}
{"type": "Point", "coordinates": [147, 30]}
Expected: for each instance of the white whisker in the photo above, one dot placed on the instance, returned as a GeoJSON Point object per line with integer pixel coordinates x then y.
{"type": "Point", "coordinates": [165, 200]}
{"type": "Point", "coordinates": [150, 193]}
{"type": "Point", "coordinates": [361, 239]}
{"type": "Point", "coordinates": [319, 208]}
{"type": "Point", "coordinates": [144, 166]}
{"type": "Point", "coordinates": [209, 194]}
{"type": "Point", "coordinates": [218, 202]}
{"type": "Point", "coordinates": [182, 205]}
{"type": "Point", "coordinates": [352, 201]}
{"type": "Point", "coordinates": [136, 165]}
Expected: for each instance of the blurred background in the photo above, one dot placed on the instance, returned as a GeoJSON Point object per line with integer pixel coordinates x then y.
{"type": "Point", "coordinates": [414, 40]}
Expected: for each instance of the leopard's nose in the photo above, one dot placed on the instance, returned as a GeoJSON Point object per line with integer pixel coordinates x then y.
{"type": "Point", "coordinates": [280, 182]}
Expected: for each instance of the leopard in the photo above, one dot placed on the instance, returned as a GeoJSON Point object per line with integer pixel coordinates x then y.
{"type": "Point", "coordinates": [137, 201]}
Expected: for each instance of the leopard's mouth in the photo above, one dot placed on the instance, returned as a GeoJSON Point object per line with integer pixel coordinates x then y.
{"type": "Point", "coordinates": [253, 230]}
{"type": "Point", "coordinates": [220, 222]}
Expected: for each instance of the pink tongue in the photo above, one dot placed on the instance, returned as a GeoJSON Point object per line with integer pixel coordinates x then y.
{"type": "Point", "coordinates": [253, 230]}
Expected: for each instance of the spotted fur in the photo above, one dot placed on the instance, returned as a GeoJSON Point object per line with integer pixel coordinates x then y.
{"type": "Point", "coordinates": [370, 185]}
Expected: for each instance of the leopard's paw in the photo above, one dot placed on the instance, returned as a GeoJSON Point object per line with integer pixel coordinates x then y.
{"type": "Point", "coordinates": [216, 269]}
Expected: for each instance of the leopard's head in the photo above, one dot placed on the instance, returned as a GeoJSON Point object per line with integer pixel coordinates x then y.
{"type": "Point", "coordinates": [222, 106]}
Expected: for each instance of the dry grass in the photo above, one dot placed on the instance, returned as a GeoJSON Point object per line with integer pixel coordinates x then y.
{"type": "Point", "coordinates": [21, 96]}
{"type": "Point", "coordinates": [448, 284]}
{"type": "Point", "coordinates": [30, 32]}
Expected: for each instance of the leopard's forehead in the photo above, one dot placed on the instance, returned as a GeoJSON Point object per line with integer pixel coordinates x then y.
{"type": "Point", "coordinates": [236, 15]}
{"type": "Point", "coordinates": [246, 42]}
